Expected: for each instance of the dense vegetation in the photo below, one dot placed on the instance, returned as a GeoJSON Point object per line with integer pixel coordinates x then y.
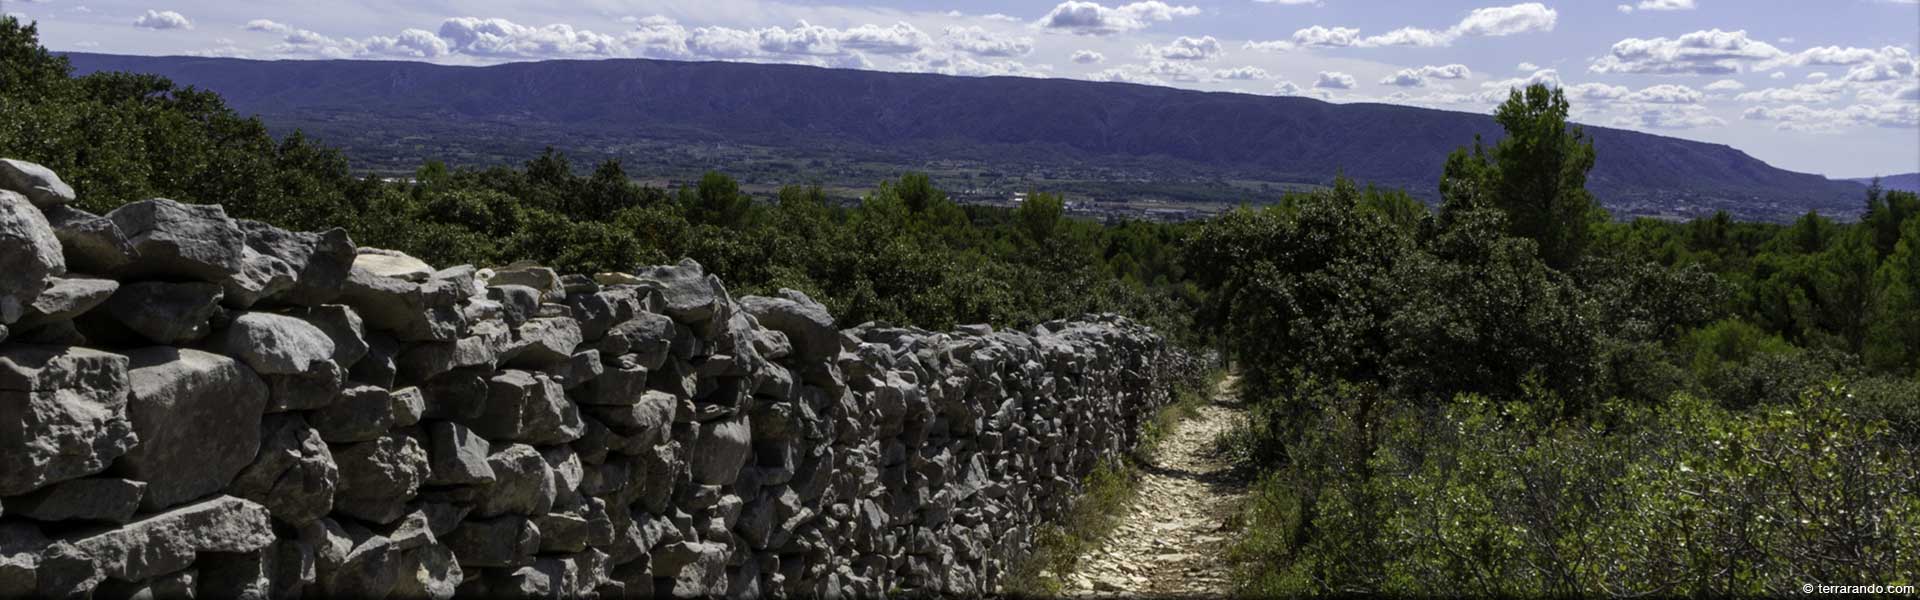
{"type": "Point", "coordinates": [1513, 395]}
{"type": "Point", "coordinates": [906, 254]}
{"type": "Point", "coordinates": [1510, 393]}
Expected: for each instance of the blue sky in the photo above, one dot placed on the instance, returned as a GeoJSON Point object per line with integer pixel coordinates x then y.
{"type": "Point", "coordinates": [1822, 86]}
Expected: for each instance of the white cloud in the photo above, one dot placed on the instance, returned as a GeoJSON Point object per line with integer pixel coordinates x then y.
{"type": "Point", "coordinates": [1550, 77]}
{"type": "Point", "coordinates": [1270, 46]}
{"type": "Point", "coordinates": [1334, 80]}
{"type": "Point", "coordinates": [1187, 48]}
{"type": "Point", "coordinates": [1527, 67]}
{"type": "Point", "coordinates": [162, 19]}
{"type": "Point", "coordinates": [1726, 85]}
{"type": "Point", "coordinates": [1092, 18]}
{"type": "Point", "coordinates": [1805, 93]}
{"type": "Point", "coordinates": [980, 42]}
{"type": "Point", "coordinates": [1658, 5]}
{"type": "Point", "coordinates": [1667, 94]}
{"type": "Point", "coordinates": [958, 63]}
{"type": "Point", "coordinates": [1286, 88]}
{"type": "Point", "coordinates": [1710, 52]}
{"type": "Point", "coordinates": [268, 26]}
{"type": "Point", "coordinates": [1240, 74]}
{"type": "Point", "coordinates": [1088, 57]}
{"type": "Point", "coordinates": [1300, 2]}
{"type": "Point", "coordinates": [1419, 77]}
{"type": "Point", "coordinates": [1596, 92]}
{"type": "Point", "coordinates": [1777, 75]}
{"type": "Point", "coordinates": [1668, 117]}
{"type": "Point", "coordinates": [1482, 22]}
{"type": "Point", "coordinates": [503, 38]}
{"type": "Point", "coordinates": [1127, 76]}
{"type": "Point", "coordinates": [1823, 120]}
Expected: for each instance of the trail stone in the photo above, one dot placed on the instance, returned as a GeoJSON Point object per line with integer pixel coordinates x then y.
{"type": "Point", "coordinates": [379, 477]}
{"type": "Point", "coordinates": [174, 240]}
{"type": "Point", "coordinates": [39, 184]}
{"type": "Point", "coordinates": [29, 254]}
{"type": "Point", "coordinates": [392, 263]}
{"type": "Point", "coordinates": [274, 344]}
{"type": "Point", "coordinates": [197, 416]}
{"type": "Point", "coordinates": [294, 475]}
{"type": "Point", "coordinates": [91, 499]}
{"type": "Point", "coordinates": [63, 414]}
{"type": "Point", "coordinates": [91, 243]}
{"type": "Point", "coordinates": [165, 313]}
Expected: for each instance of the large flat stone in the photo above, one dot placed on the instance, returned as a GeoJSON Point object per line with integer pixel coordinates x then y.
{"type": "Point", "coordinates": [176, 240]}
{"type": "Point", "coordinates": [198, 418]}
{"type": "Point", "coordinates": [29, 254]}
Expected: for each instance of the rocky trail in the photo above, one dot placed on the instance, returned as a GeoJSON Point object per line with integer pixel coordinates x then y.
{"type": "Point", "coordinates": [1172, 540]}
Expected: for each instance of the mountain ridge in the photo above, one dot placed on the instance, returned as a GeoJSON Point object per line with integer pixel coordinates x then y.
{"type": "Point", "coordinates": [641, 109]}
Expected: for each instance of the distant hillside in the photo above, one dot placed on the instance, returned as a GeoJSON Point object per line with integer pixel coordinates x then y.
{"type": "Point", "coordinates": [792, 122]}
{"type": "Point", "coordinates": [1909, 182]}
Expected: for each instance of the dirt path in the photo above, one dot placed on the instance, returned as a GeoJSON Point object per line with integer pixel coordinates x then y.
{"type": "Point", "coordinates": [1171, 540]}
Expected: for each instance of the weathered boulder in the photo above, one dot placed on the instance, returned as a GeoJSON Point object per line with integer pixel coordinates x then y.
{"type": "Point", "coordinates": [294, 475]}
{"type": "Point", "coordinates": [648, 337]}
{"type": "Point", "coordinates": [174, 240]}
{"type": "Point", "coordinates": [721, 450]}
{"type": "Point", "coordinates": [542, 342]}
{"type": "Point", "coordinates": [260, 276]}
{"type": "Point", "coordinates": [344, 327]}
{"type": "Point", "coordinates": [690, 295]}
{"type": "Point", "coordinates": [806, 323]}
{"type": "Point", "coordinates": [274, 344]}
{"type": "Point", "coordinates": [392, 263]}
{"type": "Point", "coordinates": [698, 570]}
{"type": "Point", "coordinates": [318, 263]}
{"type": "Point", "coordinates": [523, 483]}
{"type": "Point", "coordinates": [401, 308]}
{"type": "Point", "coordinates": [361, 414]}
{"type": "Point", "coordinates": [430, 572]}
{"type": "Point", "coordinates": [458, 457]}
{"type": "Point", "coordinates": [90, 499]}
{"type": "Point", "coordinates": [540, 279]}
{"type": "Point", "coordinates": [63, 414]}
{"type": "Point", "coordinates": [91, 243]}
{"type": "Point", "coordinates": [20, 546]}
{"type": "Point", "coordinates": [531, 408]}
{"type": "Point", "coordinates": [379, 477]}
{"type": "Point", "coordinates": [165, 313]}
{"type": "Point", "coordinates": [66, 298]}
{"type": "Point", "coordinates": [29, 254]}
{"type": "Point", "coordinates": [197, 416]}
{"type": "Point", "coordinates": [39, 184]}
{"type": "Point", "coordinates": [157, 545]}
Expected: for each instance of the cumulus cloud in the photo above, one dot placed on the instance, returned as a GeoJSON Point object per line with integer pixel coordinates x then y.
{"type": "Point", "coordinates": [1482, 22]}
{"type": "Point", "coordinates": [1241, 74]}
{"type": "Point", "coordinates": [1710, 52]}
{"type": "Point", "coordinates": [1419, 77]}
{"type": "Point", "coordinates": [980, 42]}
{"type": "Point", "coordinates": [1270, 46]}
{"type": "Point", "coordinates": [1527, 67]}
{"type": "Point", "coordinates": [1806, 93]}
{"type": "Point", "coordinates": [959, 63]}
{"type": "Point", "coordinates": [1186, 48]}
{"type": "Point", "coordinates": [1824, 120]}
{"type": "Point", "coordinates": [1667, 94]}
{"type": "Point", "coordinates": [162, 19]}
{"type": "Point", "coordinates": [1334, 80]}
{"type": "Point", "coordinates": [1092, 18]}
{"type": "Point", "coordinates": [1726, 85]}
{"type": "Point", "coordinates": [1549, 77]}
{"type": "Point", "coordinates": [1088, 57]}
{"type": "Point", "coordinates": [1286, 88]}
{"type": "Point", "coordinates": [1658, 5]}
{"type": "Point", "coordinates": [1668, 117]}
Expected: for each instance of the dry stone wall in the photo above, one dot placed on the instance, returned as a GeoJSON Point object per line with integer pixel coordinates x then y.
{"type": "Point", "coordinates": [192, 404]}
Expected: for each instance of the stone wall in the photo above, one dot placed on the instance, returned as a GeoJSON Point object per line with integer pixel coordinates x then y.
{"type": "Point", "coordinates": [194, 404]}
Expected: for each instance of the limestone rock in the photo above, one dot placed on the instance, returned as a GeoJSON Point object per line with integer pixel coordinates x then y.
{"type": "Point", "coordinates": [29, 254]}
{"type": "Point", "coordinates": [90, 499]}
{"type": "Point", "coordinates": [540, 279]}
{"type": "Point", "coordinates": [690, 296]}
{"type": "Point", "coordinates": [430, 572]}
{"type": "Point", "coordinates": [39, 184]}
{"type": "Point", "coordinates": [174, 240]}
{"type": "Point", "coordinates": [805, 322]}
{"type": "Point", "coordinates": [542, 342]}
{"type": "Point", "coordinates": [378, 478]}
{"type": "Point", "coordinates": [294, 475]}
{"type": "Point", "coordinates": [63, 414]}
{"type": "Point", "coordinates": [459, 457]}
{"type": "Point", "coordinates": [197, 416]}
{"type": "Point", "coordinates": [66, 298]}
{"type": "Point", "coordinates": [530, 408]}
{"type": "Point", "coordinates": [392, 263]}
{"type": "Point", "coordinates": [167, 542]}
{"type": "Point", "coordinates": [344, 327]}
{"type": "Point", "coordinates": [722, 448]}
{"type": "Point", "coordinates": [165, 313]}
{"type": "Point", "coordinates": [523, 483]}
{"type": "Point", "coordinates": [506, 541]}
{"type": "Point", "coordinates": [401, 308]}
{"type": "Point", "coordinates": [318, 263]}
{"type": "Point", "coordinates": [274, 344]}
{"type": "Point", "coordinates": [360, 414]}
{"type": "Point", "coordinates": [91, 243]}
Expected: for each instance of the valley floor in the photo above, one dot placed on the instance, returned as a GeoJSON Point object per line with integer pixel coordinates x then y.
{"type": "Point", "coordinates": [1174, 536]}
